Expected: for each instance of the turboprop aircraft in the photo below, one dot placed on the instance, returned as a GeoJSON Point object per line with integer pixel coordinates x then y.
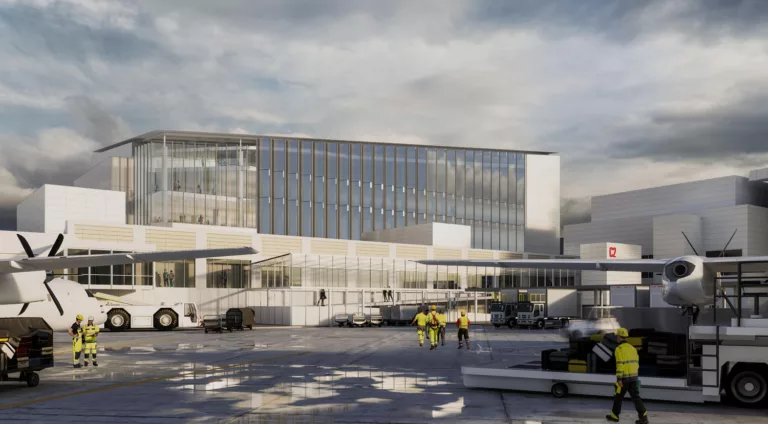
{"type": "Point", "coordinates": [688, 281]}
{"type": "Point", "coordinates": [28, 288]}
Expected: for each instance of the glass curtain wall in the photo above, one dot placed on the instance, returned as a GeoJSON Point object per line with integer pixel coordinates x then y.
{"type": "Point", "coordinates": [331, 189]}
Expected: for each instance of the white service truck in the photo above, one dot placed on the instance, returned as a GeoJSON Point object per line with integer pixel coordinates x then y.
{"type": "Point", "coordinates": [122, 315]}
{"type": "Point", "coordinates": [547, 308]}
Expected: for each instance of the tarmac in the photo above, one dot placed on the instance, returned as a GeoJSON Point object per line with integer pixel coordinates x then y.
{"type": "Point", "coordinates": [311, 375]}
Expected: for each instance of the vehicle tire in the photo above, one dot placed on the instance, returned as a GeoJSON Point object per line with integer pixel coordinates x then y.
{"type": "Point", "coordinates": [206, 331]}
{"type": "Point", "coordinates": [540, 324]}
{"type": "Point", "coordinates": [564, 323]}
{"type": "Point", "coordinates": [512, 323]}
{"type": "Point", "coordinates": [747, 387]}
{"type": "Point", "coordinates": [577, 334]}
{"type": "Point", "coordinates": [165, 320]}
{"type": "Point", "coordinates": [559, 390]}
{"type": "Point", "coordinates": [33, 379]}
{"type": "Point", "coordinates": [118, 320]}
{"type": "Point", "coordinates": [497, 325]}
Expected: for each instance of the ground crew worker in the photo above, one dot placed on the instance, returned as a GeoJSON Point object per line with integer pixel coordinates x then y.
{"type": "Point", "coordinates": [90, 333]}
{"type": "Point", "coordinates": [421, 325]}
{"type": "Point", "coordinates": [443, 320]}
{"type": "Point", "coordinates": [463, 324]}
{"type": "Point", "coordinates": [627, 365]}
{"type": "Point", "coordinates": [77, 339]}
{"type": "Point", "coordinates": [434, 328]}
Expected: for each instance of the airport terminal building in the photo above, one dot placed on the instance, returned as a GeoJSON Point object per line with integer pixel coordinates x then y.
{"type": "Point", "coordinates": [346, 216]}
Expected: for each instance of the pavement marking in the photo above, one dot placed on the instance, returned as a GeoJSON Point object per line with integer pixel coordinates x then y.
{"type": "Point", "coordinates": [63, 351]}
{"type": "Point", "coordinates": [149, 380]}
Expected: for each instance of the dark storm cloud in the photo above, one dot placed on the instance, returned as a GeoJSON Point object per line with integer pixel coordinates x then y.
{"type": "Point", "coordinates": [53, 32]}
{"type": "Point", "coordinates": [625, 20]}
{"type": "Point", "coordinates": [575, 210]}
{"type": "Point", "coordinates": [717, 132]}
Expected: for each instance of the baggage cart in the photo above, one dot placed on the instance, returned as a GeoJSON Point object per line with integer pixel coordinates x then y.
{"type": "Point", "coordinates": [26, 347]}
{"type": "Point", "coordinates": [215, 323]}
{"type": "Point", "coordinates": [240, 318]}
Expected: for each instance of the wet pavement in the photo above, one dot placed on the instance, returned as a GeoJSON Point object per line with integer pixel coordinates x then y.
{"type": "Point", "coordinates": [309, 375]}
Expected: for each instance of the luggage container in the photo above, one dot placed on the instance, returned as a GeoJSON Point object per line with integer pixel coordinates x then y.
{"type": "Point", "coordinates": [26, 346]}
{"type": "Point", "coordinates": [215, 323]}
{"type": "Point", "coordinates": [376, 320]}
{"type": "Point", "coordinates": [240, 318]}
{"type": "Point", "coordinates": [341, 319]}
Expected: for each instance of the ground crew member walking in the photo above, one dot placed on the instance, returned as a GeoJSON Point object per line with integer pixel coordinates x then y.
{"type": "Point", "coordinates": [434, 327]}
{"type": "Point", "coordinates": [421, 325]}
{"type": "Point", "coordinates": [627, 365]}
{"type": "Point", "coordinates": [443, 320]}
{"type": "Point", "coordinates": [90, 333]}
{"type": "Point", "coordinates": [77, 339]}
{"type": "Point", "coordinates": [463, 324]}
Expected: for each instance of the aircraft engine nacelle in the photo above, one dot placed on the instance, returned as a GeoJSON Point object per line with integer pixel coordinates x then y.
{"type": "Point", "coordinates": [22, 287]}
{"type": "Point", "coordinates": [687, 282]}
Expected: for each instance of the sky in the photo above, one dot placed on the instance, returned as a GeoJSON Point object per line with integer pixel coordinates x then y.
{"type": "Point", "coordinates": [631, 94]}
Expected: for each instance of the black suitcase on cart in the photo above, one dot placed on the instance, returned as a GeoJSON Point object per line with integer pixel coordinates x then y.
{"type": "Point", "coordinates": [26, 346]}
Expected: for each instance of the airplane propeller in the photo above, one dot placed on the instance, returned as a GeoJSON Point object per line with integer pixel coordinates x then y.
{"type": "Point", "coordinates": [48, 275]}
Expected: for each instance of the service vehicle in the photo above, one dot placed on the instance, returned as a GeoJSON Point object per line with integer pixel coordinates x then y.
{"type": "Point", "coordinates": [547, 308]}
{"type": "Point", "coordinates": [215, 323]}
{"type": "Point", "coordinates": [122, 315]}
{"type": "Point", "coordinates": [26, 346]}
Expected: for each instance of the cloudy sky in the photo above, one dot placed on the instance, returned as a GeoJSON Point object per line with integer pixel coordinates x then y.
{"type": "Point", "coordinates": [632, 93]}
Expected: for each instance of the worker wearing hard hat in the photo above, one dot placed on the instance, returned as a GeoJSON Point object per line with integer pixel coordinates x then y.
{"type": "Point", "coordinates": [463, 324]}
{"type": "Point", "coordinates": [77, 339]}
{"type": "Point", "coordinates": [434, 327]}
{"type": "Point", "coordinates": [421, 325]}
{"type": "Point", "coordinates": [90, 332]}
{"type": "Point", "coordinates": [443, 321]}
{"type": "Point", "coordinates": [627, 366]}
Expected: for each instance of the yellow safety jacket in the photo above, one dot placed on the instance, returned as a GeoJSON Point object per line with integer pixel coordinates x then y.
{"type": "Point", "coordinates": [442, 320]}
{"type": "Point", "coordinates": [627, 361]}
{"type": "Point", "coordinates": [463, 322]}
{"type": "Point", "coordinates": [91, 332]}
{"type": "Point", "coordinates": [434, 320]}
{"type": "Point", "coordinates": [421, 320]}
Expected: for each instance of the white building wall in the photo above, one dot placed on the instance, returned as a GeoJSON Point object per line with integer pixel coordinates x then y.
{"type": "Point", "coordinates": [757, 238]}
{"type": "Point", "coordinates": [668, 239]}
{"type": "Point", "coordinates": [604, 251]}
{"type": "Point", "coordinates": [432, 234]}
{"type": "Point", "coordinates": [635, 231]}
{"type": "Point", "coordinates": [689, 197]}
{"type": "Point", "coordinates": [542, 204]}
{"type": "Point", "coordinates": [61, 204]}
{"type": "Point", "coordinates": [719, 225]}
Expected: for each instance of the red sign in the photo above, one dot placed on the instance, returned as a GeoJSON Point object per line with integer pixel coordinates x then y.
{"type": "Point", "coordinates": [612, 251]}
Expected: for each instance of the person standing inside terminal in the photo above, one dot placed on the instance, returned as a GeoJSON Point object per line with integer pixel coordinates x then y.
{"type": "Point", "coordinates": [90, 333]}
{"type": "Point", "coordinates": [421, 325]}
{"type": "Point", "coordinates": [77, 339]}
{"type": "Point", "coordinates": [463, 324]}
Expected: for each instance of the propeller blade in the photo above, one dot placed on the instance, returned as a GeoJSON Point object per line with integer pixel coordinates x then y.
{"type": "Point", "coordinates": [53, 296]}
{"type": "Point", "coordinates": [690, 244]}
{"type": "Point", "coordinates": [56, 245]}
{"type": "Point", "coordinates": [24, 308]}
{"type": "Point", "coordinates": [25, 245]}
{"type": "Point", "coordinates": [729, 242]}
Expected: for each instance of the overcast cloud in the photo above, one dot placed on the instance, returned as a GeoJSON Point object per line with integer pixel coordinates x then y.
{"type": "Point", "coordinates": [631, 93]}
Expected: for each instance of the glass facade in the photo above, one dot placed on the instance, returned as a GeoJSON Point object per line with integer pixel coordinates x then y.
{"type": "Point", "coordinates": [329, 189]}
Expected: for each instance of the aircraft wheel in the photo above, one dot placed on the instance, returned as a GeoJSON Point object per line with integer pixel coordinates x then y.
{"type": "Point", "coordinates": [33, 379]}
{"type": "Point", "coordinates": [559, 390]}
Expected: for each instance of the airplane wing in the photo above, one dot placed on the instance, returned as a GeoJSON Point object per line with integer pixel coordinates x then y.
{"type": "Point", "coordinates": [731, 264]}
{"type": "Point", "coordinates": [44, 263]}
{"type": "Point", "coordinates": [636, 265]}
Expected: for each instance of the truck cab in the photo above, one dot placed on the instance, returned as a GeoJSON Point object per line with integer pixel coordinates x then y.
{"type": "Point", "coordinates": [503, 314]}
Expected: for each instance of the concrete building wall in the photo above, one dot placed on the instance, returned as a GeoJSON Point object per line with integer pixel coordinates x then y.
{"type": "Point", "coordinates": [62, 204]}
{"type": "Point", "coordinates": [610, 251]}
{"type": "Point", "coordinates": [668, 239]}
{"type": "Point", "coordinates": [542, 204]}
{"type": "Point", "coordinates": [689, 197]}
{"type": "Point", "coordinates": [635, 231]}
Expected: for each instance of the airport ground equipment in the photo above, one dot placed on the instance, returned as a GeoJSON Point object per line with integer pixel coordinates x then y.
{"type": "Point", "coordinates": [719, 362]}
{"type": "Point", "coordinates": [240, 318]}
{"type": "Point", "coordinates": [26, 347]}
{"type": "Point", "coordinates": [357, 320]}
{"type": "Point", "coordinates": [122, 315]}
{"type": "Point", "coordinates": [547, 308]}
{"type": "Point", "coordinates": [215, 323]}
{"type": "Point", "coordinates": [375, 319]}
{"type": "Point", "coordinates": [503, 313]}
{"type": "Point", "coordinates": [399, 314]}
{"type": "Point", "coordinates": [341, 319]}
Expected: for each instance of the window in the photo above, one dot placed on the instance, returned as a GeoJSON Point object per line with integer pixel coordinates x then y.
{"type": "Point", "coordinates": [319, 159]}
{"type": "Point", "coordinates": [367, 163]}
{"type": "Point", "coordinates": [293, 157]}
{"type": "Point", "coordinates": [175, 273]}
{"type": "Point", "coordinates": [278, 156]}
{"type": "Point", "coordinates": [265, 153]}
{"type": "Point", "coordinates": [431, 169]}
{"type": "Point", "coordinates": [357, 163]}
{"type": "Point", "coordinates": [344, 161]}
{"type": "Point", "coordinates": [306, 158]}
{"type": "Point", "coordinates": [401, 165]}
{"type": "Point", "coordinates": [293, 217]}
{"type": "Point", "coordinates": [411, 168]}
{"type": "Point", "coordinates": [306, 219]}
{"type": "Point", "coordinates": [649, 275]}
{"type": "Point", "coordinates": [470, 174]}
{"type": "Point", "coordinates": [333, 160]}
{"type": "Point", "coordinates": [319, 220]}
{"type": "Point", "coordinates": [441, 183]}
{"type": "Point", "coordinates": [421, 169]}
{"type": "Point", "coordinates": [378, 167]}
